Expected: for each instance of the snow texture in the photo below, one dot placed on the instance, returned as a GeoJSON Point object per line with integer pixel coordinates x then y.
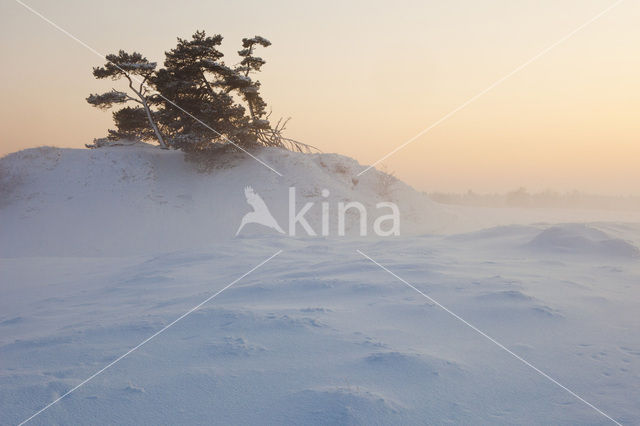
{"type": "Point", "coordinates": [99, 249]}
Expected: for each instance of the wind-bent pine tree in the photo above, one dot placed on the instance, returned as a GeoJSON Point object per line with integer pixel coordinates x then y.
{"type": "Point", "coordinates": [137, 122]}
{"type": "Point", "coordinates": [250, 90]}
{"type": "Point", "coordinates": [199, 104]}
{"type": "Point", "coordinates": [264, 132]}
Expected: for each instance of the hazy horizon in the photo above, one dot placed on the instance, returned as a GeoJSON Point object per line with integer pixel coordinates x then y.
{"type": "Point", "coordinates": [362, 78]}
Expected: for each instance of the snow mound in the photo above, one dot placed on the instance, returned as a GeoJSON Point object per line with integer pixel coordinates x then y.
{"type": "Point", "coordinates": [131, 199]}
{"type": "Point", "coordinates": [404, 368]}
{"type": "Point", "coordinates": [344, 406]}
{"type": "Point", "coordinates": [583, 240]}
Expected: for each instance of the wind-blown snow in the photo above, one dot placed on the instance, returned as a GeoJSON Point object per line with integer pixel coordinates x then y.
{"type": "Point", "coordinates": [99, 249]}
{"type": "Point", "coordinates": [131, 199]}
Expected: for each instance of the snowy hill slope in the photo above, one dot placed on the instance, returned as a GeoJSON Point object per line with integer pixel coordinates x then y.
{"type": "Point", "coordinates": [125, 200]}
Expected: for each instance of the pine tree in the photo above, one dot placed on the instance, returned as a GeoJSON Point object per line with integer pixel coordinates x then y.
{"type": "Point", "coordinates": [199, 103]}
{"type": "Point", "coordinates": [137, 122]}
{"type": "Point", "coordinates": [249, 89]}
{"type": "Point", "coordinates": [192, 81]}
{"type": "Point", "coordinates": [240, 81]}
{"type": "Point", "coordinates": [132, 123]}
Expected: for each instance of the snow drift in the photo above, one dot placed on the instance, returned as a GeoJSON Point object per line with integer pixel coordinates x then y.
{"type": "Point", "coordinates": [580, 239]}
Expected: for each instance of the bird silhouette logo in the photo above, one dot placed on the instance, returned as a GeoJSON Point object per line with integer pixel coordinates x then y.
{"type": "Point", "coordinates": [260, 214]}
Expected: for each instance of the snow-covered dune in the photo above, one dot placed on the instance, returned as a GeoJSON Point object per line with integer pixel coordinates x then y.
{"type": "Point", "coordinates": [132, 199]}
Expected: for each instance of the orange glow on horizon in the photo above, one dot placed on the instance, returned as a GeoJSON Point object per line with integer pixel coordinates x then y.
{"type": "Point", "coordinates": [361, 78]}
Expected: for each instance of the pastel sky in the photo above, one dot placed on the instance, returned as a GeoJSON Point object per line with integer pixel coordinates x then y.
{"type": "Point", "coordinates": [362, 77]}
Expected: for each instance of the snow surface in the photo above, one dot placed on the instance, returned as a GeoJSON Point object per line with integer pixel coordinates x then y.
{"type": "Point", "coordinates": [100, 249]}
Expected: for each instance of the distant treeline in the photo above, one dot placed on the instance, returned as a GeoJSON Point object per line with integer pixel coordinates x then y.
{"type": "Point", "coordinates": [521, 197]}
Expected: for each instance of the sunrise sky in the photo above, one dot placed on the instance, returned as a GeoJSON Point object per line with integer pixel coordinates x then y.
{"type": "Point", "coordinates": [360, 78]}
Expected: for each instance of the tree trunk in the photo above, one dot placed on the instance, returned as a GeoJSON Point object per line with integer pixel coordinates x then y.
{"type": "Point", "coordinates": [143, 100]}
{"type": "Point", "coordinates": [153, 124]}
